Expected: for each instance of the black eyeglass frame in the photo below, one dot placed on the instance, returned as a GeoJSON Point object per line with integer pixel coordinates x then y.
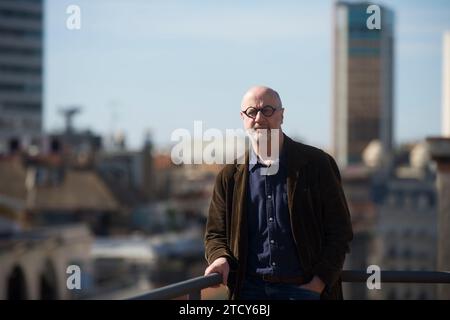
{"type": "Point", "coordinates": [265, 113]}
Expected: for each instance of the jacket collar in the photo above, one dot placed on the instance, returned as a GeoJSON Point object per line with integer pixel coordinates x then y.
{"type": "Point", "coordinates": [255, 161]}
{"type": "Point", "coordinates": [295, 158]}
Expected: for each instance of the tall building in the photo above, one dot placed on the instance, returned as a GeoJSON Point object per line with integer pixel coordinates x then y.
{"type": "Point", "coordinates": [363, 80]}
{"type": "Point", "coordinates": [446, 86]}
{"type": "Point", "coordinates": [21, 48]}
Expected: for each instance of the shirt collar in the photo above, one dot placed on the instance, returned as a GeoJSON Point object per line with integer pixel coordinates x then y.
{"type": "Point", "coordinates": [254, 161]}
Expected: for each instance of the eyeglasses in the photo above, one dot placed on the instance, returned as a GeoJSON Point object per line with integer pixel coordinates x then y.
{"type": "Point", "coordinates": [267, 111]}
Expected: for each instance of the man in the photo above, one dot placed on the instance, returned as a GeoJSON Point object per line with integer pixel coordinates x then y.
{"type": "Point", "coordinates": [281, 234]}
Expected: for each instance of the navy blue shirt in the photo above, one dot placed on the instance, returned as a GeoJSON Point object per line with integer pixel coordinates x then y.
{"type": "Point", "coordinates": [271, 247]}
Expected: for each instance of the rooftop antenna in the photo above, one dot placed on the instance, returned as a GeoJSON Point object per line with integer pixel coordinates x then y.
{"type": "Point", "coordinates": [68, 114]}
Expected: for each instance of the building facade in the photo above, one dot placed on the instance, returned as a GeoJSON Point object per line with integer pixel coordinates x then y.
{"type": "Point", "coordinates": [407, 236]}
{"type": "Point", "coordinates": [34, 263]}
{"type": "Point", "coordinates": [21, 60]}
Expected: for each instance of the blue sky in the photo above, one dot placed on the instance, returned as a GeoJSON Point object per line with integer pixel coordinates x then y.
{"type": "Point", "coordinates": [160, 65]}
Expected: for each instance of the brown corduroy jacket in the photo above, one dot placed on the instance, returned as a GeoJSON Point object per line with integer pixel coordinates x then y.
{"type": "Point", "coordinates": [319, 215]}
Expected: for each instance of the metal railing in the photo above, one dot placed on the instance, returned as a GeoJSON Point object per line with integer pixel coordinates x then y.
{"type": "Point", "coordinates": [399, 276]}
{"type": "Point", "coordinates": [192, 287]}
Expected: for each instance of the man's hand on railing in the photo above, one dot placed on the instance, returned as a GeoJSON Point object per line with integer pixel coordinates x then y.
{"type": "Point", "coordinates": [221, 266]}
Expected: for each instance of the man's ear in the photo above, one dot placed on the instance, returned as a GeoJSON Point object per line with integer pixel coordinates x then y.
{"type": "Point", "coordinates": [242, 115]}
{"type": "Point", "coordinates": [282, 115]}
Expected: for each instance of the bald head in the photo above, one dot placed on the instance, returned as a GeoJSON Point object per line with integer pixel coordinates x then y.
{"type": "Point", "coordinates": [260, 96]}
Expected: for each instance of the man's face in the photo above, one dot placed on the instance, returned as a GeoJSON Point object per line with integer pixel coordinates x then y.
{"type": "Point", "coordinates": [259, 98]}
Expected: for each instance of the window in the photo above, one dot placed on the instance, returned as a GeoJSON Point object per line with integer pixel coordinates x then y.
{"type": "Point", "coordinates": [407, 233]}
{"type": "Point", "coordinates": [400, 199]}
{"type": "Point", "coordinates": [407, 253]}
{"type": "Point", "coordinates": [392, 253]}
{"type": "Point", "coordinates": [422, 201]}
{"type": "Point", "coordinates": [9, 13]}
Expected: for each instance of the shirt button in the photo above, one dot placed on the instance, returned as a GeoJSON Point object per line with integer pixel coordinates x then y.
{"type": "Point", "coordinates": [269, 197]}
{"type": "Point", "coordinates": [272, 241]}
{"type": "Point", "coordinates": [274, 263]}
{"type": "Point", "coordinates": [270, 219]}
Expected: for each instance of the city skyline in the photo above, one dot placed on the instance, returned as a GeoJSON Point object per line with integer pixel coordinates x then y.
{"type": "Point", "coordinates": [168, 58]}
{"type": "Point", "coordinates": [86, 218]}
